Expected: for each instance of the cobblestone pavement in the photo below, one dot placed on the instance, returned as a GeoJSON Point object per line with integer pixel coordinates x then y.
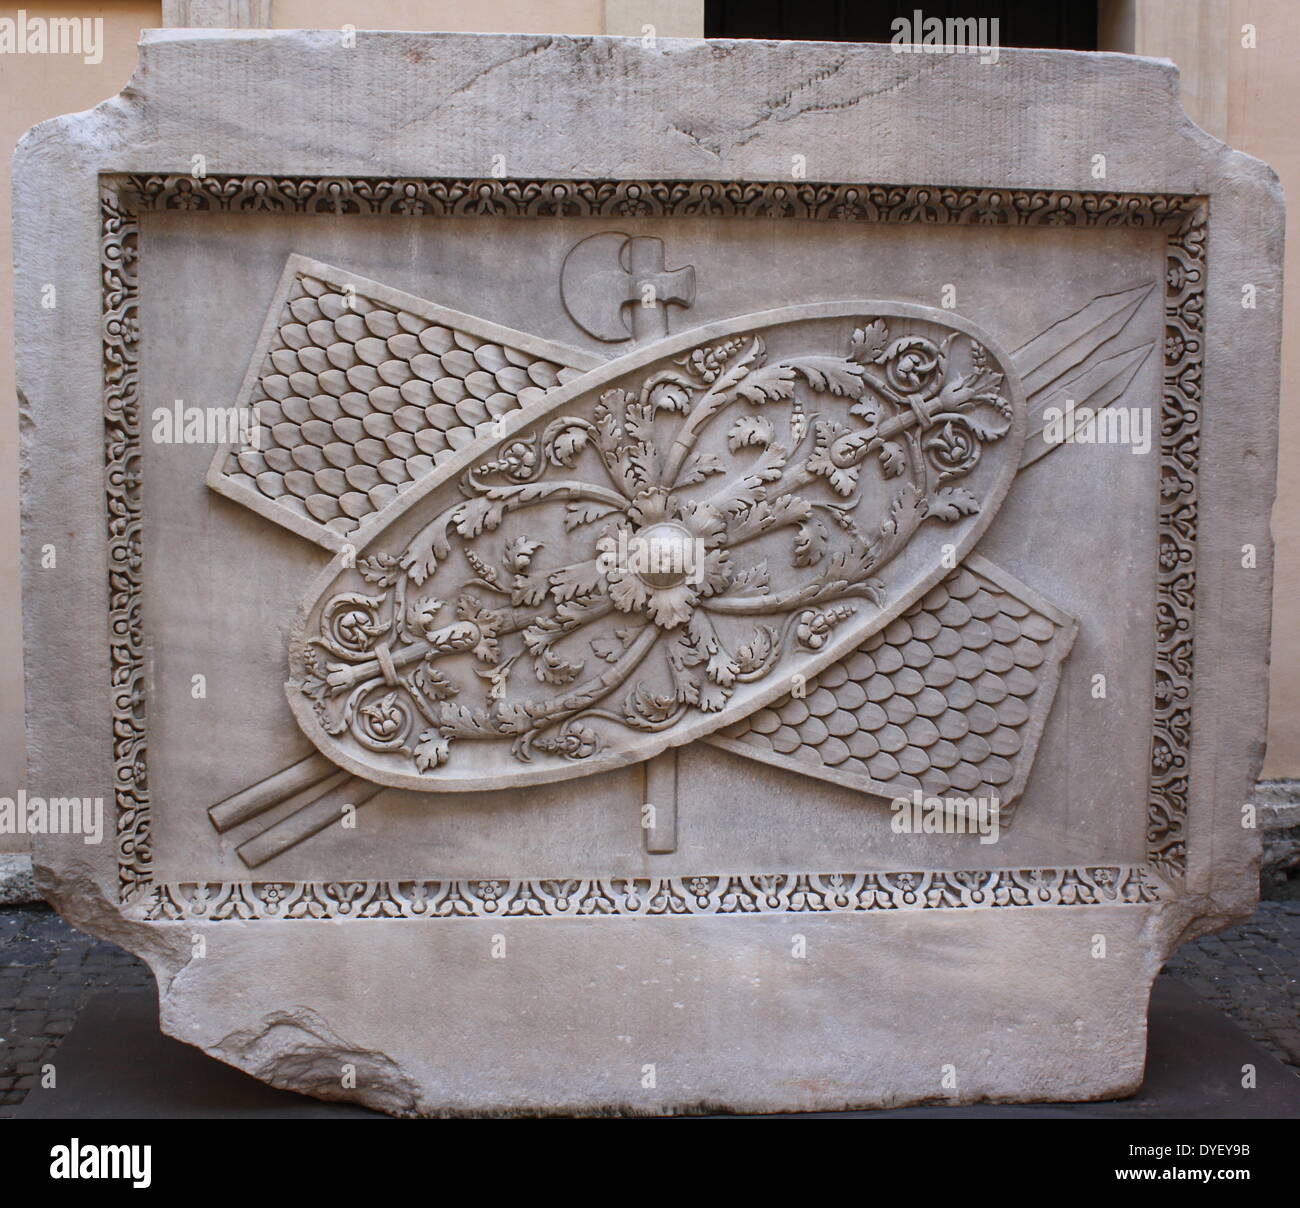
{"type": "Point", "coordinates": [48, 970]}
{"type": "Point", "coordinates": [1252, 974]}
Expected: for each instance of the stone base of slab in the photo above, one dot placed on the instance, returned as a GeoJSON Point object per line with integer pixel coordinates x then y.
{"type": "Point", "coordinates": [119, 1066]}
{"type": "Point", "coordinates": [648, 1016]}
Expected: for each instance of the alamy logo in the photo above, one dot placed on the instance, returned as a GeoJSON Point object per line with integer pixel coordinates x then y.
{"type": "Point", "coordinates": [182, 425]}
{"type": "Point", "coordinates": [661, 555]}
{"type": "Point", "coordinates": [1076, 425]}
{"type": "Point", "coordinates": [24, 815]}
{"type": "Point", "coordinates": [919, 815]}
{"type": "Point", "coordinates": [24, 35]}
{"type": "Point", "coordinates": [78, 1161]}
{"type": "Point", "coordinates": [919, 34]}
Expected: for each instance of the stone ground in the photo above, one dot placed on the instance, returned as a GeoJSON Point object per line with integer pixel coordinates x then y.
{"type": "Point", "coordinates": [48, 971]}
{"type": "Point", "coordinates": [1252, 974]}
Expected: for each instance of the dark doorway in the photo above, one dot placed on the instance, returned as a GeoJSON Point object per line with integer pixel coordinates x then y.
{"type": "Point", "coordinates": [1062, 24]}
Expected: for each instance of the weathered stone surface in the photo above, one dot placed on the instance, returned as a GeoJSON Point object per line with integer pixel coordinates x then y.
{"type": "Point", "coordinates": [17, 884]}
{"type": "Point", "coordinates": [598, 461]}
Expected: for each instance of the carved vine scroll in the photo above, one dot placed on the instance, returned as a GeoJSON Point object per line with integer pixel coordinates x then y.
{"type": "Point", "coordinates": [609, 576]}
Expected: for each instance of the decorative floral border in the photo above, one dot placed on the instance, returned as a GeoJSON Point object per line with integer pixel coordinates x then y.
{"type": "Point", "coordinates": [1183, 217]}
{"type": "Point", "coordinates": [752, 893]}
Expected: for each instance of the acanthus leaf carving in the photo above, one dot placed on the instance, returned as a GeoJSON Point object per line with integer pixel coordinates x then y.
{"type": "Point", "coordinates": [709, 521]}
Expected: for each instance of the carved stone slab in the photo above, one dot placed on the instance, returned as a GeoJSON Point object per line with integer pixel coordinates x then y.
{"type": "Point", "coordinates": [645, 595]}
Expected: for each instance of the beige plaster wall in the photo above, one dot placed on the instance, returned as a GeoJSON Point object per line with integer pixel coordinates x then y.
{"type": "Point", "coordinates": [485, 16]}
{"type": "Point", "coordinates": [1263, 100]}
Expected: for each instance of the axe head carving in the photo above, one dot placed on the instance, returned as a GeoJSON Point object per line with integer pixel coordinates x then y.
{"type": "Point", "coordinates": [615, 287]}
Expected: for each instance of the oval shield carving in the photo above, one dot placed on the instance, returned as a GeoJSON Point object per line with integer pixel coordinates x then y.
{"type": "Point", "coordinates": [659, 548]}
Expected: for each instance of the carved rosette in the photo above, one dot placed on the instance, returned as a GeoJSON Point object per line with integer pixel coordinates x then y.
{"type": "Point", "coordinates": [640, 562]}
